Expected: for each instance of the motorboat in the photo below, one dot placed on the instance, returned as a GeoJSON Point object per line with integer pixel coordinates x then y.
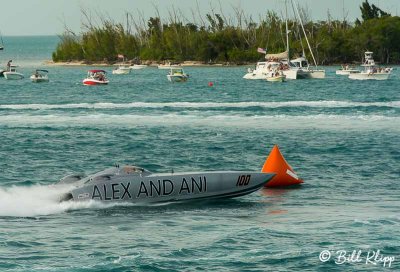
{"type": "Point", "coordinates": [371, 70]}
{"type": "Point", "coordinates": [177, 75]}
{"type": "Point", "coordinates": [138, 66]}
{"type": "Point", "coordinates": [12, 74]}
{"type": "Point", "coordinates": [40, 75]}
{"type": "Point", "coordinates": [138, 185]}
{"type": "Point", "coordinates": [273, 62]}
{"type": "Point", "coordinates": [96, 77]}
{"type": "Point", "coordinates": [122, 70]}
{"type": "Point", "coordinates": [168, 65]}
{"type": "Point", "coordinates": [276, 76]}
{"type": "Point", "coordinates": [346, 69]}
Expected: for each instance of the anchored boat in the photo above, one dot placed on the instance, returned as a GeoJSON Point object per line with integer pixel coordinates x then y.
{"type": "Point", "coordinates": [177, 75]}
{"type": "Point", "coordinates": [96, 77]}
{"type": "Point", "coordinates": [12, 74]}
{"type": "Point", "coordinates": [40, 75]}
{"type": "Point", "coordinates": [371, 70]}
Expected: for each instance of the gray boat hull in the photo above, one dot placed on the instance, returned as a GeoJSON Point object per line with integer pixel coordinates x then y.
{"type": "Point", "coordinates": [146, 187]}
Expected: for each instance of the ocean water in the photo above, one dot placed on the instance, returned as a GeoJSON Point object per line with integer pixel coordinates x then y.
{"type": "Point", "coordinates": [340, 136]}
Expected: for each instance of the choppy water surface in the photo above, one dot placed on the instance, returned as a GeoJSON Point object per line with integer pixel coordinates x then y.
{"type": "Point", "coordinates": [341, 137]}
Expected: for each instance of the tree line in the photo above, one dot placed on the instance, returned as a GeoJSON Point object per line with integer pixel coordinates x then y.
{"type": "Point", "coordinates": [215, 38]}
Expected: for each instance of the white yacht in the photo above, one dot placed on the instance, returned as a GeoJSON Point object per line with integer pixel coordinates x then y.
{"type": "Point", "coordinates": [371, 70]}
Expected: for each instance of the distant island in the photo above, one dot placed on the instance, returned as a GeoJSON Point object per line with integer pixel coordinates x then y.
{"type": "Point", "coordinates": [216, 39]}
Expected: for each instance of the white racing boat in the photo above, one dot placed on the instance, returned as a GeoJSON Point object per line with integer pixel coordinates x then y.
{"type": "Point", "coordinates": [177, 75]}
{"type": "Point", "coordinates": [40, 75]}
{"type": "Point", "coordinates": [371, 70]}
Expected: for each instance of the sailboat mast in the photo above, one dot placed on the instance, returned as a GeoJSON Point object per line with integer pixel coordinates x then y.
{"type": "Point", "coordinates": [287, 33]}
{"type": "Point", "coordinates": [305, 35]}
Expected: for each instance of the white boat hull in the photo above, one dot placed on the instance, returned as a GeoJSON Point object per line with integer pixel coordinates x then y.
{"type": "Point", "coordinates": [168, 66]}
{"type": "Point", "coordinates": [276, 78]}
{"type": "Point", "coordinates": [290, 74]}
{"type": "Point", "coordinates": [346, 72]}
{"type": "Point", "coordinates": [39, 79]}
{"type": "Point", "coordinates": [177, 78]}
{"type": "Point", "coordinates": [89, 82]}
{"type": "Point", "coordinates": [13, 75]}
{"type": "Point", "coordinates": [124, 71]}
{"type": "Point", "coordinates": [317, 73]}
{"type": "Point", "coordinates": [369, 76]}
{"type": "Point", "coordinates": [137, 67]}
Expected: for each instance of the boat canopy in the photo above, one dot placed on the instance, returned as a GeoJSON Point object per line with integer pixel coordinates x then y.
{"type": "Point", "coordinates": [97, 71]}
{"type": "Point", "coordinates": [42, 70]}
{"type": "Point", "coordinates": [280, 56]}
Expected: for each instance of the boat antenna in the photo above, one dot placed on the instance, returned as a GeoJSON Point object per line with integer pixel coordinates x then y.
{"type": "Point", "coordinates": [304, 32]}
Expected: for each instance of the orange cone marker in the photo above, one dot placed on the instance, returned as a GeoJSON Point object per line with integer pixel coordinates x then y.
{"type": "Point", "coordinates": [276, 163]}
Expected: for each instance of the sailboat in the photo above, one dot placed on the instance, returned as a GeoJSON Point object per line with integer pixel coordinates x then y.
{"type": "Point", "coordinates": [301, 63]}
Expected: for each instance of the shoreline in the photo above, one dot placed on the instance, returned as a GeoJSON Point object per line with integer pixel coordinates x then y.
{"type": "Point", "coordinates": [148, 63]}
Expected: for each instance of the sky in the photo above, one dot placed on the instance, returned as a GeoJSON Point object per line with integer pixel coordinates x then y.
{"type": "Point", "coordinates": [48, 17]}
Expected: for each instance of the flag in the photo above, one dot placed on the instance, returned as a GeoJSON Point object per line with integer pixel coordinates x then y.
{"type": "Point", "coordinates": [120, 56]}
{"type": "Point", "coordinates": [261, 50]}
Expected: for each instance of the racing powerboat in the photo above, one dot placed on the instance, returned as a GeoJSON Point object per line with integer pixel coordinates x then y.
{"type": "Point", "coordinates": [138, 185]}
{"type": "Point", "coordinates": [96, 77]}
{"type": "Point", "coordinates": [40, 75]}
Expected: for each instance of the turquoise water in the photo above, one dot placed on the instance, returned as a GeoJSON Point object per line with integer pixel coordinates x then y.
{"type": "Point", "coordinates": [340, 136]}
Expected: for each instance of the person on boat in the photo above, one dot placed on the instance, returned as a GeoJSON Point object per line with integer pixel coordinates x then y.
{"type": "Point", "coordinates": [100, 77]}
{"type": "Point", "coordinates": [9, 65]}
{"type": "Point", "coordinates": [36, 74]}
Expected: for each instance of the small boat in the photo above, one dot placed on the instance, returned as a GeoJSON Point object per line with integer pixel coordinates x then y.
{"type": "Point", "coordinates": [371, 70]}
{"type": "Point", "coordinates": [122, 70]}
{"type": "Point", "coordinates": [40, 75]}
{"type": "Point", "coordinates": [138, 66]}
{"type": "Point", "coordinates": [168, 65]}
{"type": "Point", "coordinates": [276, 76]}
{"type": "Point", "coordinates": [347, 69]}
{"type": "Point", "coordinates": [12, 74]}
{"type": "Point", "coordinates": [96, 77]}
{"type": "Point", "coordinates": [137, 185]}
{"type": "Point", "coordinates": [177, 75]}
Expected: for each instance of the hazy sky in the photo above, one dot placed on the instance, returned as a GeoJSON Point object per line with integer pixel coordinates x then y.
{"type": "Point", "coordinates": [47, 17]}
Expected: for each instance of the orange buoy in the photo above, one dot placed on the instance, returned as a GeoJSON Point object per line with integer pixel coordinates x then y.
{"type": "Point", "coordinates": [210, 84]}
{"type": "Point", "coordinates": [276, 163]}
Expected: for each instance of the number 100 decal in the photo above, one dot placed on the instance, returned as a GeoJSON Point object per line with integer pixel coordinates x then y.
{"type": "Point", "coordinates": [243, 180]}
